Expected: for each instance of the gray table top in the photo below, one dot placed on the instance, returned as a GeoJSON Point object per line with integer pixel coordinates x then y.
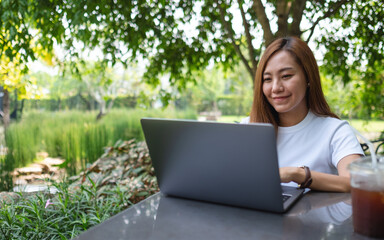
{"type": "Point", "coordinates": [316, 216]}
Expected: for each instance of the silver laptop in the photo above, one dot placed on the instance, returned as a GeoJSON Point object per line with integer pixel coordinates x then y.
{"type": "Point", "coordinates": [226, 163]}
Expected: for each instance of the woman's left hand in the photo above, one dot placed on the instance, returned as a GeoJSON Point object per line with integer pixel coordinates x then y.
{"type": "Point", "coordinates": [322, 181]}
{"type": "Point", "coordinates": [289, 174]}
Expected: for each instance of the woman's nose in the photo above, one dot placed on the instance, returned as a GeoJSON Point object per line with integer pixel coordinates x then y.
{"type": "Point", "coordinates": [277, 86]}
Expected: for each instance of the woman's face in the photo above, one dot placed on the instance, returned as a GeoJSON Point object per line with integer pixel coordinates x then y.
{"type": "Point", "coordinates": [285, 85]}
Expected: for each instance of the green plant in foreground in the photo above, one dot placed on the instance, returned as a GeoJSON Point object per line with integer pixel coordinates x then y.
{"type": "Point", "coordinates": [121, 177]}
{"type": "Point", "coordinates": [62, 217]}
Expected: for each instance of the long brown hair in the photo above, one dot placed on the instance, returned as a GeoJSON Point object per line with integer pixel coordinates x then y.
{"type": "Point", "coordinates": [262, 110]}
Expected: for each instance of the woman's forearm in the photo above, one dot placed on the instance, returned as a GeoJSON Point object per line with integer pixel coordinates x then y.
{"type": "Point", "coordinates": [330, 182]}
{"type": "Point", "coordinates": [320, 181]}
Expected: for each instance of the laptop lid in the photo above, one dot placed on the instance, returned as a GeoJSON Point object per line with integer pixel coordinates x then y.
{"type": "Point", "coordinates": [227, 163]}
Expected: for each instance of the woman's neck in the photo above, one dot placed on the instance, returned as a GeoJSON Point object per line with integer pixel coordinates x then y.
{"type": "Point", "coordinates": [290, 119]}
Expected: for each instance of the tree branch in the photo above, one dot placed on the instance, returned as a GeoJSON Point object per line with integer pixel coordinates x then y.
{"type": "Point", "coordinates": [264, 21]}
{"type": "Point", "coordinates": [282, 10]}
{"type": "Point", "coordinates": [297, 14]}
{"type": "Point", "coordinates": [329, 13]}
{"type": "Point", "coordinates": [251, 50]}
{"type": "Point", "coordinates": [230, 34]}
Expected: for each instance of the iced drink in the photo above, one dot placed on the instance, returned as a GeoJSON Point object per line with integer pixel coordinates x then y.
{"type": "Point", "coordinates": [368, 197]}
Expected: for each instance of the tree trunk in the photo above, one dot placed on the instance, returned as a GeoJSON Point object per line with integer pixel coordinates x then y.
{"type": "Point", "coordinates": [110, 104]}
{"type": "Point", "coordinates": [102, 106]}
{"type": "Point", "coordinates": [59, 104]}
{"type": "Point", "coordinates": [86, 101]}
{"type": "Point", "coordinates": [22, 107]}
{"type": "Point", "coordinates": [14, 114]}
{"type": "Point", "coordinates": [6, 108]}
{"type": "Point", "coordinates": [297, 14]}
{"type": "Point", "coordinates": [264, 21]}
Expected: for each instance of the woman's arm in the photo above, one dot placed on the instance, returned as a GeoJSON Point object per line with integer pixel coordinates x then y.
{"type": "Point", "coordinates": [322, 181]}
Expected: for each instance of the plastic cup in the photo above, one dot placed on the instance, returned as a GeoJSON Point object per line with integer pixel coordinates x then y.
{"type": "Point", "coordinates": [367, 184]}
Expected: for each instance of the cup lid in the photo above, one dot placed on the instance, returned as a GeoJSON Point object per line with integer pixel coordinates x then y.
{"type": "Point", "coordinates": [364, 164]}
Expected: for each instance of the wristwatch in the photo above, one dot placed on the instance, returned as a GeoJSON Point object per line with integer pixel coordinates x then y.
{"type": "Point", "coordinates": [308, 179]}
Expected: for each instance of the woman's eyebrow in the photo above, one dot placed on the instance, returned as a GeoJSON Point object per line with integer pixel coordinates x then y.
{"type": "Point", "coordinates": [280, 70]}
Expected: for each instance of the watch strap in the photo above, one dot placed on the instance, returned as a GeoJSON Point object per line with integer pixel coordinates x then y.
{"type": "Point", "coordinates": [308, 178]}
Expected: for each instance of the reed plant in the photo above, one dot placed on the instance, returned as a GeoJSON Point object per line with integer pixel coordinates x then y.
{"type": "Point", "coordinates": [76, 136]}
{"type": "Point", "coordinates": [6, 179]}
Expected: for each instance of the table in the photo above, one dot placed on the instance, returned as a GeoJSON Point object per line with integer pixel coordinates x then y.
{"type": "Point", "coordinates": [318, 215]}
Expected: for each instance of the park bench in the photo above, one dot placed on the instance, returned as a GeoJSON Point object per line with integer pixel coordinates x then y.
{"type": "Point", "coordinates": [210, 116]}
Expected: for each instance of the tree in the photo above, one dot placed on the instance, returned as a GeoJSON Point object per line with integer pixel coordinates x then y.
{"type": "Point", "coordinates": [101, 84]}
{"type": "Point", "coordinates": [229, 93]}
{"type": "Point", "coordinates": [59, 87]}
{"type": "Point", "coordinates": [211, 86]}
{"type": "Point", "coordinates": [100, 81]}
{"type": "Point", "coordinates": [17, 47]}
{"type": "Point", "coordinates": [179, 37]}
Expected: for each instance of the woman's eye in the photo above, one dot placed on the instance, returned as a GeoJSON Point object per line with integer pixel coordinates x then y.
{"type": "Point", "coordinates": [267, 79]}
{"type": "Point", "coordinates": [287, 76]}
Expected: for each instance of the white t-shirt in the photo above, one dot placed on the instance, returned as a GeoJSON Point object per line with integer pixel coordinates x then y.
{"type": "Point", "coordinates": [317, 142]}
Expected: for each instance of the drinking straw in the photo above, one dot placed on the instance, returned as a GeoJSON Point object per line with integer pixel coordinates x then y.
{"type": "Point", "coordinates": [370, 146]}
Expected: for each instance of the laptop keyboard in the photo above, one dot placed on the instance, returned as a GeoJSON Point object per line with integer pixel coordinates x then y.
{"type": "Point", "coordinates": [286, 197]}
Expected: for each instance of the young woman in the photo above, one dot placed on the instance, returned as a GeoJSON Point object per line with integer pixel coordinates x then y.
{"type": "Point", "coordinates": [314, 146]}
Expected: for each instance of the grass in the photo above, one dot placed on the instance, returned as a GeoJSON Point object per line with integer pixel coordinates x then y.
{"type": "Point", "coordinates": [368, 126]}
{"type": "Point", "coordinates": [74, 135]}
{"type": "Point", "coordinates": [230, 118]}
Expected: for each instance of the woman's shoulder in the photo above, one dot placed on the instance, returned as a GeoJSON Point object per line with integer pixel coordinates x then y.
{"type": "Point", "coordinates": [332, 125]}
{"type": "Point", "coordinates": [328, 120]}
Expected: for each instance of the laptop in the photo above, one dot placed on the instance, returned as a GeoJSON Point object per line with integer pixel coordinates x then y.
{"type": "Point", "coordinates": [225, 163]}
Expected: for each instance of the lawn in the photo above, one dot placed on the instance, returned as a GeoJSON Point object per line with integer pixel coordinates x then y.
{"type": "Point", "coordinates": [368, 126]}
{"type": "Point", "coordinates": [362, 126]}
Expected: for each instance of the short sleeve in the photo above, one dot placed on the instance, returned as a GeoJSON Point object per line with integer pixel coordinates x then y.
{"type": "Point", "coordinates": [344, 142]}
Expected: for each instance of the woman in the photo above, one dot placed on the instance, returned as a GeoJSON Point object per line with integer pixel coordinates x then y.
{"type": "Point", "coordinates": [314, 146]}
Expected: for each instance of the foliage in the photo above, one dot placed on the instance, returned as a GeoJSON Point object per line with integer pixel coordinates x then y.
{"type": "Point", "coordinates": [10, 75]}
{"type": "Point", "coordinates": [178, 38]}
{"type": "Point", "coordinates": [357, 42]}
{"type": "Point", "coordinates": [89, 201]}
{"type": "Point", "coordinates": [356, 99]}
{"type": "Point", "coordinates": [355, 54]}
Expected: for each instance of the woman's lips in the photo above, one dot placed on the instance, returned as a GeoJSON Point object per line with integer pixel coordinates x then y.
{"type": "Point", "coordinates": [279, 98]}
